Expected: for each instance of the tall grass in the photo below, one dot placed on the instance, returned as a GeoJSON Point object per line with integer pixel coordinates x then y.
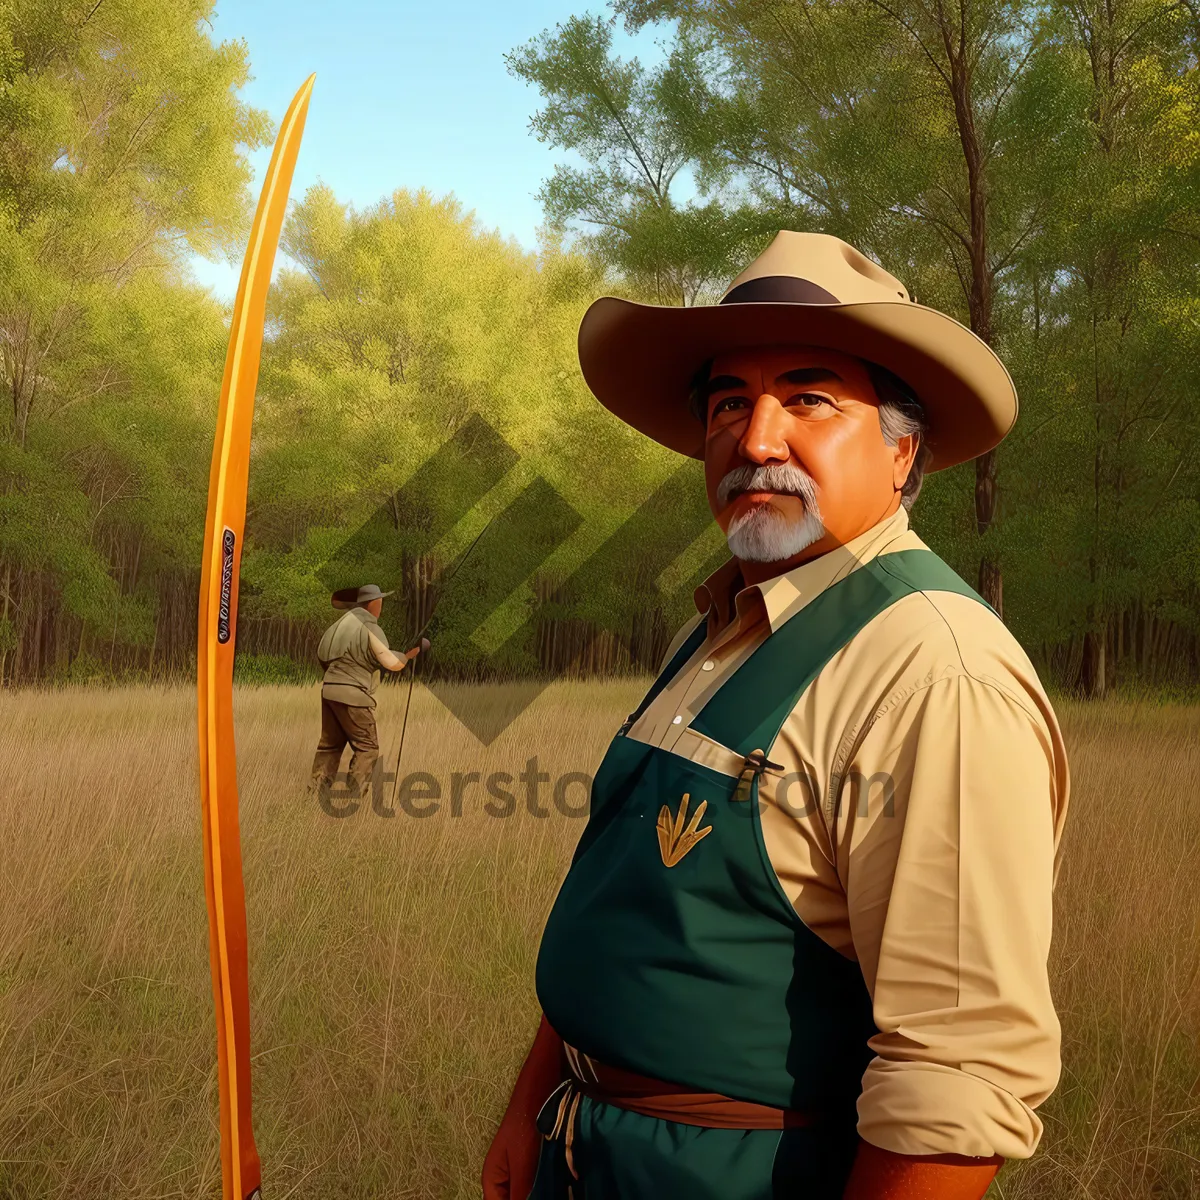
{"type": "Point", "coordinates": [392, 958]}
{"type": "Point", "coordinates": [1125, 1120]}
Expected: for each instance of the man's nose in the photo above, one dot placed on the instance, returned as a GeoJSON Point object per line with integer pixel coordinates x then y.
{"type": "Point", "coordinates": [764, 440]}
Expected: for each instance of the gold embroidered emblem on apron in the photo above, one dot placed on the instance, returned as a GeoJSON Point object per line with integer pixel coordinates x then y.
{"type": "Point", "coordinates": [674, 840]}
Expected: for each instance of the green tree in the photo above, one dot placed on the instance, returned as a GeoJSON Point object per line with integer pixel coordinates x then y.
{"type": "Point", "coordinates": [1026, 168]}
{"type": "Point", "coordinates": [925, 134]}
{"type": "Point", "coordinates": [624, 199]}
{"type": "Point", "coordinates": [120, 150]}
{"type": "Point", "coordinates": [403, 322]}
{"type": "Point", "coordinates": [1112, 341]}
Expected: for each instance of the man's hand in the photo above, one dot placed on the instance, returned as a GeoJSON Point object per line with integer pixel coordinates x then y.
{"type": "Point", "coordinates": [882, 1175]}
{"type": "Point", "coordinates": [511, 1163]}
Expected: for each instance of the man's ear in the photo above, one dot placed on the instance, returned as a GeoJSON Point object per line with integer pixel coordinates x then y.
{"type": "Point", "coordinates": [905, 455]}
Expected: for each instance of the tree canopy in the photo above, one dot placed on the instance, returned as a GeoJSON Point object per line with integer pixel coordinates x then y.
{"type": "Point", "coordinates": [1031, 169]}
{"type": "Point", "coordinates": [122, 143]}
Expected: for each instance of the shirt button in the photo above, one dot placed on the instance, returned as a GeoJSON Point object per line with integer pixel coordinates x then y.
{"type": "Point", "coordinates": [676, 720]}
{"type": "Point", "coordinates": [708, 665]}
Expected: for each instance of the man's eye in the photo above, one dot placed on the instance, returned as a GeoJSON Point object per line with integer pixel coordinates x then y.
{"type": "Point", "coordinates": [728, 403]}
{"type": "Point", "coordinates": [808, 399]}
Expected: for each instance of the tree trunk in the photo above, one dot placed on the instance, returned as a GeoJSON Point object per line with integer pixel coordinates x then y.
{"type": "Point", "coordinates": [991, 581]}
{"type": "Point", "coordinates": [981, 298]}
{"type": "Point", "coordinates": [1092, 670]}
{"type": "Point", "coordinates": [36, 646]}
{"type": "Point", "coordinates": [4, 616]}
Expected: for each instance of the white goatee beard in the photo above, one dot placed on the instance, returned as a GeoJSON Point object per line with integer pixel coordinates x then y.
{"type": "Point", "coordinates": [764, 534]}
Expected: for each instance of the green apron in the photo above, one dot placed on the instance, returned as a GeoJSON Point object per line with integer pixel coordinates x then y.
{"type": "Point", "coordinates": [701, 973]}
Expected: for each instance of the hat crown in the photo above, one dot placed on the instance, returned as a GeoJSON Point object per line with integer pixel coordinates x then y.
{"type": "Point", "coordinates": [836, 267]}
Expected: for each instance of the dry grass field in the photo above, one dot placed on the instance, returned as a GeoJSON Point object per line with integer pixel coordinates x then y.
{"type": "Point", "coordinates": [392, 959]}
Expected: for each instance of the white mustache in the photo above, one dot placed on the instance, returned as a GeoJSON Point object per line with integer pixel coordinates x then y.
{"type": "Point", "coordinates": [764, 534]}
{"type": "Point", "coordinates": [784, 478]}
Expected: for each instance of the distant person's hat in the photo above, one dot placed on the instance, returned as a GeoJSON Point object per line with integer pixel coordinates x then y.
{"type": "Point", "coordinates": [804, 289]}
{"type": "Point", "coordinates": [354, 597]}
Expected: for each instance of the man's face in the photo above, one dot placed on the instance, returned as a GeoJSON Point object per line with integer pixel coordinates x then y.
{"type": "Point", "coordinates": [374, 607]}
{"type": "Point", "coordinates": [794, 460]}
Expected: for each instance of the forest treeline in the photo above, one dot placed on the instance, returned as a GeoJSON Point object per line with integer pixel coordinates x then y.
{"type": "Point", "coordinates": [1032, 169]}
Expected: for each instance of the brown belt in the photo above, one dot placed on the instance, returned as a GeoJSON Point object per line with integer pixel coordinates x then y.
{"type": "Point", "coordinates": [652, 1098]}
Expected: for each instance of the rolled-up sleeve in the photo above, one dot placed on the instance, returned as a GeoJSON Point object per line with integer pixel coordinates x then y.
{"type": "Point", "coordinates": [949, 813]}
{"type": "Point", "coordinates": [388, 659]}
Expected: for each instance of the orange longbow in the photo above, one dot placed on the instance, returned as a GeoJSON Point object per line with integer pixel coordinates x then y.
{"type": "Point", "coordinates": [240, 1168]}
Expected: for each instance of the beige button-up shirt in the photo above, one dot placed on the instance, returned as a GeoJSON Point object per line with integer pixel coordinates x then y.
{"type": "Point", "coordinates": [915, 823]}
{"type": "Point", "coordinates": [351, 652]}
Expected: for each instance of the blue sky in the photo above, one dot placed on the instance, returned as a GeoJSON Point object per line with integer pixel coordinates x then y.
{"type": "Point", "coordinates": [409, 94]}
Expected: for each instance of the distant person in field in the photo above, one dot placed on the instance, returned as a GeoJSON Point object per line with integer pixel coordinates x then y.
{"type": "Point", "coordinates": [352, 653]}
{"type": "Point", "coordinates": [801, 949]}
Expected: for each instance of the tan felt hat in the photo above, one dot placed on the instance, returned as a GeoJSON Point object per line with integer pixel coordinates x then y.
{"type": "Point", "coordinates": [804, 289]}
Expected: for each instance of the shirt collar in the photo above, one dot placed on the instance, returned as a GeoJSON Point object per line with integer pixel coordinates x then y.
{"type": "Point", "coordinates": [723, 594]}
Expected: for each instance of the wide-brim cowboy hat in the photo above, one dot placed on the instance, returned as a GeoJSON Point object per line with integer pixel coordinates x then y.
{"type": "Point", "coordinates": [355, 597]}
{"type": "Point", "coordinates": [804, 289]}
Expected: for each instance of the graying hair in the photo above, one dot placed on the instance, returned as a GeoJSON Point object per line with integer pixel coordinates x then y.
{"type": "Point", "coordinates": [900, 414]}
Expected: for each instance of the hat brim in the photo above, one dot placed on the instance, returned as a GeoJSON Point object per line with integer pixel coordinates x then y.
{"type": "Point", "coordinates": [638, 360]}
{"type": "Point", "coordinates": [348, 598]}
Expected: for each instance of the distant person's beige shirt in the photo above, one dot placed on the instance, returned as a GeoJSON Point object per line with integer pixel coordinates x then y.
{"type": "Point", "coordinates": [941, 890]}
{"type": "Point", "coordinates": [352, 651]}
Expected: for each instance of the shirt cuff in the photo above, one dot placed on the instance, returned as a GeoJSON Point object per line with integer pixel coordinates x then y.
{"type": "Point", "coordinates": [925, 1108]}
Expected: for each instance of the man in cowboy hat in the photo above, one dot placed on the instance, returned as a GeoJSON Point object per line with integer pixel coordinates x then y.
{"type": "Point", "coordinates": [801, 949]}
{"type": "Point", "coordinates": [353, 651]}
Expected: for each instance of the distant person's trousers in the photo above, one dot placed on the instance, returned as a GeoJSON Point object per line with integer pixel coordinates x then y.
{"type": "Point", "coordinates": [342, 723]}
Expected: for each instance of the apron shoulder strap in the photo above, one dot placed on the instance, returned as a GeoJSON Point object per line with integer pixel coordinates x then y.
{"type": "Point", "coordinates": [689, 646]}
{"type": "Point", "coordinates": [924, 571]}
